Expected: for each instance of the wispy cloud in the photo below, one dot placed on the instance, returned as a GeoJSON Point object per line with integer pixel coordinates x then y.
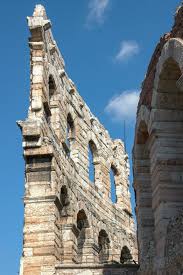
{"type": "Point", "coordinates": [123, 106]}
{"type": "Point", "coordinates": [97, 9]}
{"type": "Point", "coordinates": [127, 50]}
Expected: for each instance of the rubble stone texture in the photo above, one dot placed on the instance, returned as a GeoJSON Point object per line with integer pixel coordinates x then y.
{"type": "Point", "coordinates": [71, 225]}
{"type": "Point", "coordinates": [158, 158]}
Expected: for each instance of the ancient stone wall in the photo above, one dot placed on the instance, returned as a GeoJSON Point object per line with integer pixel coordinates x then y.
{"type": "Point", "coordinates": [97, 269]}
{"type": "Point", "coordinates": [70, 220]}
{"type": "Point", "coordinates": [158, 158]}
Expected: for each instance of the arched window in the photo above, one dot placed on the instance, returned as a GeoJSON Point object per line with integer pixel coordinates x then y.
{"type": "Point", "coordinates": [64, 200]}
{"type": "Point", "coordinates": [103, 244]}
{"type": "Point", "coordinates": [47, 103]}
{"type": "Point", "coordinates": [52, 87]}
{"type": "Point", "coordinates": [82, 224]}
{"type": "Point", "coordinates": [126, 257]}
{"type": "Point", "coordinates": [113, 185]}
{"type": "Point", "coordinates": [92, 154]}
{"type": "Point", "coordinates": [70, 135]}
{"type": "Point", "coordinates": [169, 97]}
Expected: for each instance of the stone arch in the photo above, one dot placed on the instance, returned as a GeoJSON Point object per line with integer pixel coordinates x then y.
{"type": "Point", "coordinates": [70, 133]}
{"type": "Point", "coordinates": [93, 156]}
{"type": "Point", "coordinates": [104, 245]}
{"type": "Point", "coordinates": [91, 137]}
{"type": "Point", "coordinates": [82, 219]}
{"type": "Point", "coordinates": [95, 152]}
{"type": "Point", "coordinates": [172, 50]}
{"type": "Point", "coordinates": [64, 200]}
{"type": "Point", "coordinates": [94, 149]}
{"type": "Point", "coordinates": [166, 141]}
{"type": "Point", "coordinates": [143, 115]}
{"type": "Point", "coordinates": [47, 104]}
{"type": "Point", "coordinates": [120, 174]}
{"type": "Point", "coordinates": [51, 87]}
{"type": "Point", "coordinates": [113, 175]}
{"type": "Point", "coordinates": [113, 180]}
{"type": "Point", "coordinates": [115, 165]}
{"type": "Point", "coordinates": [70, 110]}
{"type": "Point", "coordinates": [102, 226]}
{"type": "Point", "coordinates": [142, 134]}
{"type": "Point", "coordinates": [82, 236]}
{"type": "Point", "coordinates": [70, 121]}
{"type": "Point", "coordinates": [82, 206]}
{"type": "Point", "coordinates": [164, 135]}
{"type": "Point", "coordinates": [168, 94]}
{"type": "Point", "coordinates": [53, 72]}
{"type": "Point", "coordinates": [126, 256]}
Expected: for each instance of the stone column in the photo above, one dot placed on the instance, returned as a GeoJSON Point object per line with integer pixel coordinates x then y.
{"type": "Point", "coordinates": [40, 249]}
{"type": "Point", "coordinates": [145, 218]}
{"type": "Point", "coordinates": [90, 249]}
{"type": "Point", "coordinates": [69, 242]}
{"type": "Point", "coordinates": [167, 181]}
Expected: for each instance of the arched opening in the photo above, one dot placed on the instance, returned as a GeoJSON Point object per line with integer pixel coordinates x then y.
{"type": "Point", "coordinates": [52, 87]}
{"type": "Point", "coordinates": [92, 154]}
{"type": "Point", "coordinates": [103, 244]}
{"type": "Point", "coordinates": [142, 136]}
{"type": "Point", "coordinates": [47, 103]}
{"type": "Point", "coordinates": [169, 96]}
{"type": "Point", "coordinates": [126, 257]}
{"type": "Point", "coordinates": [143, 188]}
{"type": "Point", "coordinates": [64, 200]}
{"type": "Point", "coordinates": [70, 134]}
{"type": "Point", "coordinates": [113, 185]}
{"type": "Point", "coordinates": [166, 153]}
{"type": "Point", "coordinates": [82, 225]}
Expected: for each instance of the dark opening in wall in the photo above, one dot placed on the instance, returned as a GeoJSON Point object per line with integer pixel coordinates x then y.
{"type": "Point", "coordinates": [126, 257]}
{"type": "Point", "coordinates": [47, 103]}
{"type": "Point", "coordinates": [82, 225]}
{"type": "Point", "coordinates": [52, 87]}
{"type": "Point", "coordinates": [70, 134]}
{"type": "Point", "coordinates": [103, 243]}
{"type": "Point", "coordinates": [64, 200]}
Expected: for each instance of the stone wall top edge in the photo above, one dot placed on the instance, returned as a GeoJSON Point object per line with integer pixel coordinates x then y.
{"type": "Point", "coordinates": [40, 18]}
{"type": "Point", "coordinates": [176, 32]}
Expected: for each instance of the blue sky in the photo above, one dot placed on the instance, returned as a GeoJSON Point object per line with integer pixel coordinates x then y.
{"type": "Point", "coordinates": [106, 45]}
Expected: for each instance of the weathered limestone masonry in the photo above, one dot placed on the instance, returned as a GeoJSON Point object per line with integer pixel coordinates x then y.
{"type": "Point", "coordinates": [71, 226]}
{"type": "Point", "coordinates": [158, 158]}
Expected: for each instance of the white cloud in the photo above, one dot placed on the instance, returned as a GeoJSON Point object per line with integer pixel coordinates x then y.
{"type": "Point", "coordinates": [127, 50]}
{"type": "Point", "coordinates": [97, 9]}
{"type": "Point", "coordinates": [123, 107]}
